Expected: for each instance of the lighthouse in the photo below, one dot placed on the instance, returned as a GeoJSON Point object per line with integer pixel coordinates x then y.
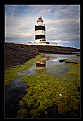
{"type": "Point", "coordinates": [40, 37]}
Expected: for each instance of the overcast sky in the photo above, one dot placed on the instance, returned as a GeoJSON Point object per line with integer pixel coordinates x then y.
{"type": "Point", "coordinates": [62, 22]}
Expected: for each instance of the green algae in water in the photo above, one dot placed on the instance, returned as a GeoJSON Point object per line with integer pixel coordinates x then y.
{"type": "Point", "coordinates": [58, 70]}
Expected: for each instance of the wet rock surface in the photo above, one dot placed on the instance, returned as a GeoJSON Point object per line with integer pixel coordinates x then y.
{"type": "Point", "coordinates": [13, 93]}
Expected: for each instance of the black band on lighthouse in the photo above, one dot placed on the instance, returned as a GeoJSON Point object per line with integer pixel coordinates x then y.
{"type": "Point", "coordinates": [39, 28]}
{"type": "Point", "coordinates": [39, 36]}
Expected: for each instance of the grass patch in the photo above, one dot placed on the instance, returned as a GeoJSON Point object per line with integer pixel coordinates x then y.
{"type": "Point", "coordinates": [45, 90]}
{"type": "Point", "coordinates": [72, 61]}
{"type": "Point", "coordinates": [10, 74]}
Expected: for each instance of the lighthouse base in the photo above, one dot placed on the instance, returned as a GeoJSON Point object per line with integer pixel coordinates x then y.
{"type": "Point", "coordinates": [45, 43]}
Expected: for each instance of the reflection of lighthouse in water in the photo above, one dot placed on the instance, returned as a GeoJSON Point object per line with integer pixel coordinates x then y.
{"type": "Point", "coordinates": [40, 31]}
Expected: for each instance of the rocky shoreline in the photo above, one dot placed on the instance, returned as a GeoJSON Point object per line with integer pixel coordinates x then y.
{"type": "Point", "coordinates": [16, 54]}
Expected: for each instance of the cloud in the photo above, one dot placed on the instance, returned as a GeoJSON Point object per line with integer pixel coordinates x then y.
{"type": "Point", "coordinates": [63, 29]}
{"type": "Point", "coordinates": [19, 26]}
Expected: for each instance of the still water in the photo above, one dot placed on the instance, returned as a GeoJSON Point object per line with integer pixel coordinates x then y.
{"type": "Point", "coordinates": [52, 65]}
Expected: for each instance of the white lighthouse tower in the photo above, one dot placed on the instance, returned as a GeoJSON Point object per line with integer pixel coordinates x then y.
{"type": "Point", "coordinates": [40, 37]}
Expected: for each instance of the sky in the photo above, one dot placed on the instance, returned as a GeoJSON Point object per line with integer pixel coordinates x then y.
{"type": "Point", "coordinates": [62, 23]}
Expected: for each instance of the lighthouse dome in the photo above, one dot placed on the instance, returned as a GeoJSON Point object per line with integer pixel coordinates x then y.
{"type": "Point", "coordinates": [39, 19]}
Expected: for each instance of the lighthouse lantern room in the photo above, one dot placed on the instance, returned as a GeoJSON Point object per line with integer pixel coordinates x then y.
{"type": "Point", "coordinates": [40, 31]}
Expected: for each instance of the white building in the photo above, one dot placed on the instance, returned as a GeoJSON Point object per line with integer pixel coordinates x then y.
{"type": "Point", "coordinates": [40, 33]}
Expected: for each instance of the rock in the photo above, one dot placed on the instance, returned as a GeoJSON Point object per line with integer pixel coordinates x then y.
{"type": "Point", "coordinates": [61, 60]}
{"type": "Point", "coordinates": [60, 94]}
{"type": "Point", "coordinates": [71, 62]}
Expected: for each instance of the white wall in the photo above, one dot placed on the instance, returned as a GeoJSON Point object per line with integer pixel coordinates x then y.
{"type": "Point", "coordinates": [40, 32]}
{"type": "Point", "coordinates": [40, 23]}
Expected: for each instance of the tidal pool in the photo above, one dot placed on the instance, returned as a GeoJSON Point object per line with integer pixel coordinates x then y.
{"type": "Point", "coordinates": [52, 65]}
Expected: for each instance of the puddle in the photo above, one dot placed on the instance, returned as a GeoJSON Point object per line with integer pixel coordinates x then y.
{"type": "Point", "coordinates": [28, 71]}
{"type": "Point", "coordinates": [52, 65]}
{"type": "Point", "coordinates": [58, 70]}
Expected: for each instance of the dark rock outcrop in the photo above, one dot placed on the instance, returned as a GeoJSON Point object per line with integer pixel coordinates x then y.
{"type": "Point", "coordinates": [16, 54]}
